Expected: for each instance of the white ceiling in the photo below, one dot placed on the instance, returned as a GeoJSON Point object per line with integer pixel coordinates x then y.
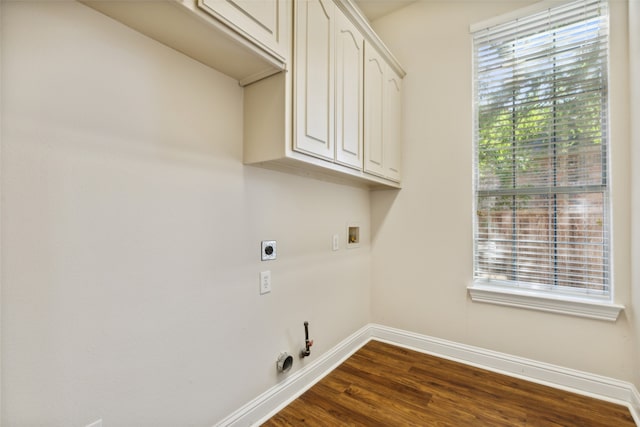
{"type": "Point", "coordinates": [374, 9]}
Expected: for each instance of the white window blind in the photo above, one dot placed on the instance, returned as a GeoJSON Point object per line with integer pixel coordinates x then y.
{"type": "Point", "coordinates": [541, 151]}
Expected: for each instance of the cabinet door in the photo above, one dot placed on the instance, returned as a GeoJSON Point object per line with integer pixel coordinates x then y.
{"type": "Point", "coordinates": [374, 87]}
{"type": "Point", "coordinates": [349, 86]}
{"type": "Point", "coordinates": [263, 21]}
{"type": "Point", "coordinates": [314, 78]}
{"type": "Point", "coordinates": [392, 129]}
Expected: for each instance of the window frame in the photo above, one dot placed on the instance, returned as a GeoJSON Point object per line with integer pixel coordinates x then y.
{"type": "Point", "coordinates": [574, 302]}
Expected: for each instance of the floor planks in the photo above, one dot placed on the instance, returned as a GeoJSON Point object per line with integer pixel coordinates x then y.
{"type": "Point", "coordinates": [385, 385]}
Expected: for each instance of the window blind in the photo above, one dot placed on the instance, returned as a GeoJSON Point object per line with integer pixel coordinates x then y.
{"type": "Point", "coordinates": [541, 151]}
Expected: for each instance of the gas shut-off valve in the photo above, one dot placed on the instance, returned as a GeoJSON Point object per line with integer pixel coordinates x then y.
{"type": "Point", "coordinates": [306, 351]}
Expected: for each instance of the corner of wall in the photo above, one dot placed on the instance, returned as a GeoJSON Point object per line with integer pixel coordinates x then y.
{"type": "Point", "coordinates": [1, 114]}
{"type": "Point", "coordinates": [634, 70]}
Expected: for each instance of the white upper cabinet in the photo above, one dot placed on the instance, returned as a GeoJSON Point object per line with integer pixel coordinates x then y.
{"type": "Point", "coordinates": [349, 89]}
{"type": "Point", "coordinates": [383, 115]}
{"type": "Point", "coordinates": [336, 113]}
{"type": "Point", "coordinates": [314, 78]}
{"type": "Point", "coordinates": [328, 84]}
{"type": "Point", "coordinates": [265, 22]}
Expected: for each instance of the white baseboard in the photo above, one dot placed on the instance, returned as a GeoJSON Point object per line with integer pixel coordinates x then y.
{"type": "Point", "coordinates": [276, 398]}
{"type": "Point", "coordinates": [634, 405]}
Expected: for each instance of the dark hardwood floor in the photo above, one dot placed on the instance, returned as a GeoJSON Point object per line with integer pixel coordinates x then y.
{"type": "Point", "coordinates": [385, 385]}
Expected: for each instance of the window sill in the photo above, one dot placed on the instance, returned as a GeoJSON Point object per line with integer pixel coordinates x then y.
{"type": "Point", "coordinates": [581, 307]}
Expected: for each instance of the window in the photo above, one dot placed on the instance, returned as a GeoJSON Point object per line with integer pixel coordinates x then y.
{"type": "Point", "coordinates": [541, 186]}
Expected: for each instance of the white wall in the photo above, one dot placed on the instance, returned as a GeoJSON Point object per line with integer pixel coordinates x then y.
{"type": "Point", "coordinates": [634, 70]}
{"type": "Point", "coordinates": [422, 246]}
{"type": "Point", "coordinates": [131, 231]}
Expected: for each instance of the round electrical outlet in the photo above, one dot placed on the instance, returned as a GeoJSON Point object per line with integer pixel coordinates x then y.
{"type": "Point", "coordinates": [268, 250]}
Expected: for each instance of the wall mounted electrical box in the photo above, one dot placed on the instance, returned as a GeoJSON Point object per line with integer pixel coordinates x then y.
{"type": "Point", "coordinates": [268, 250]}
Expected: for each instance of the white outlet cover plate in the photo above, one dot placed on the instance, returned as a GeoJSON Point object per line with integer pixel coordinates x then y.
{"type": "Point", "coordinates": [265, 282]}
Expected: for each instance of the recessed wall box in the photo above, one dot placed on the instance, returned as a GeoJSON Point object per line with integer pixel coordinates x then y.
{"type": "Point", "coordinates": [353, 235]}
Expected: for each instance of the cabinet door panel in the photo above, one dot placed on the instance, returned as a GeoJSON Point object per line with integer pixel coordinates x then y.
{"type": "Point", "coordinates": [373, 111]}
{"type": "Point", "coordinates": [349, 86]}
{"type": "Point", "coordinates": [392, 126]}
{"type": "Point", "coordinates": [264, 21]}
{"type": "Point", "coordinates": [314, 78]}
